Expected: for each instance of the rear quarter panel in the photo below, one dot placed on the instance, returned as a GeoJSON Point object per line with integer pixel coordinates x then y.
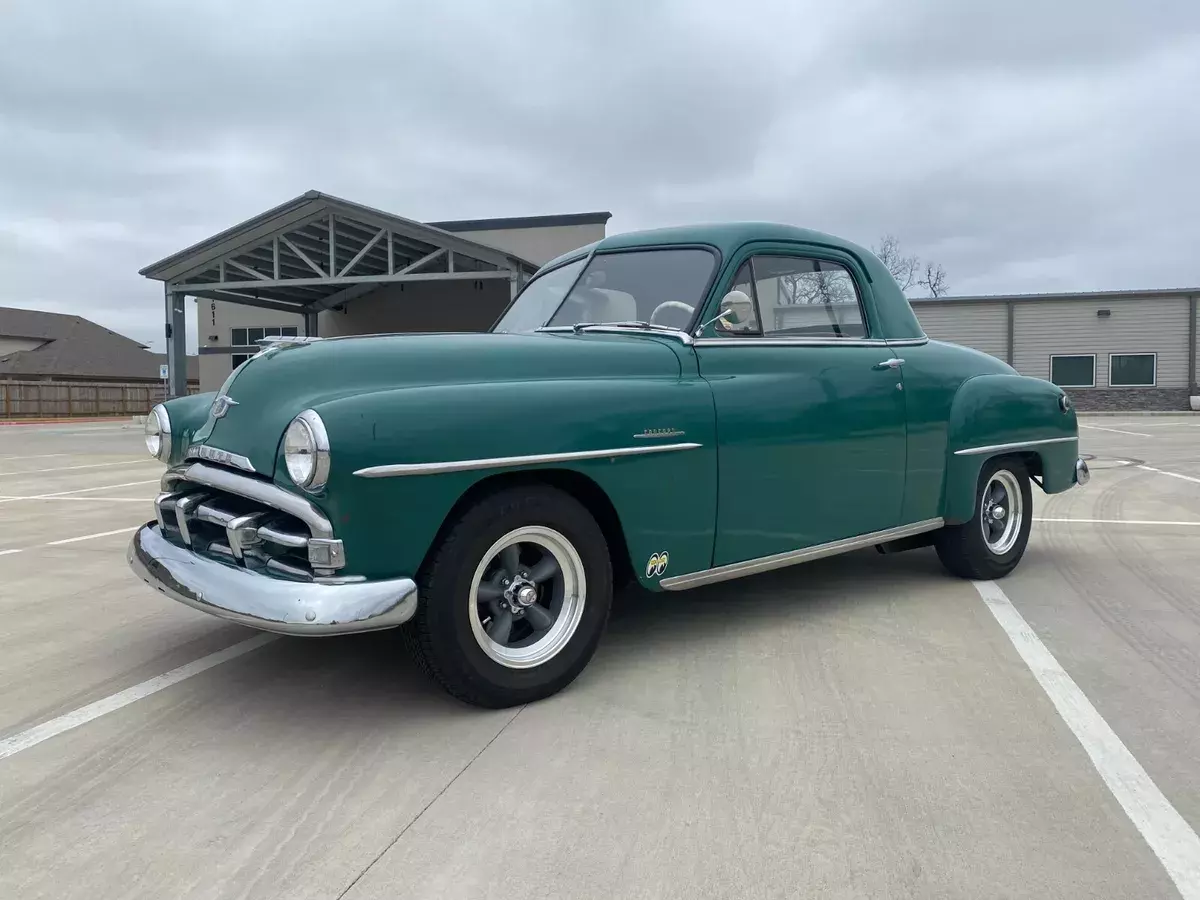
{"type": "Point", "coordinates": [958, 398]}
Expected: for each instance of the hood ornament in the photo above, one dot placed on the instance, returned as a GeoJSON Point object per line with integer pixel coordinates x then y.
{"type": "Point", "coordinates": [222, 405]}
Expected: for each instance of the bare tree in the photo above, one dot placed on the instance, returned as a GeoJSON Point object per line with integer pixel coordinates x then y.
{"type": "Point", "coordinates": [903, 268]}
{"type": "Point", "coordinates": [816, 287]}
{"type": "Point", "coordinates": [934, 280]}
{"type": "Point", "coordinates": [910, 270]}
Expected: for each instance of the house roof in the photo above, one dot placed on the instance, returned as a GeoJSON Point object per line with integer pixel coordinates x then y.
{"type": "Point", "coordinates": [514, 222]}
{"type": "Point", "coordinates": [75, 347]}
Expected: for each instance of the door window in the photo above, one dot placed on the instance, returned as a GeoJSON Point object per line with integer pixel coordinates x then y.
{"type": "Point", "coordinates": [792, 296]}
{"type": "Point", "coordinates": [806, 298]}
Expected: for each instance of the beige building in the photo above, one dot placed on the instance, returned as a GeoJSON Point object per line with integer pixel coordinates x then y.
{"type": "Point", "coordinates": [1110, 350]}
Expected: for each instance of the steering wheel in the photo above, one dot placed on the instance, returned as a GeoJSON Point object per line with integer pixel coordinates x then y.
{"type": "Point", "coordinates": [671, 304]}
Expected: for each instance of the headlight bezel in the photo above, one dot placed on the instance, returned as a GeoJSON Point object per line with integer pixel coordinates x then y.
{"type": "Point", "coordinates": [310, 424]}
{"type": "Point", "coordinates": [161, 421]}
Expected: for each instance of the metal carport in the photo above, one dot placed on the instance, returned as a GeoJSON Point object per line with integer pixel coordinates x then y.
{"type": "Point", "coordinates": [311, 254]}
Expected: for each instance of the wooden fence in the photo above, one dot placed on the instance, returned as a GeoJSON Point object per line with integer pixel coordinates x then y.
{"type": "Point", "coordinates": [65, 399]}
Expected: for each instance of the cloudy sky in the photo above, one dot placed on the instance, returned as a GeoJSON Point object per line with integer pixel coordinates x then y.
{"type": "Point", "coordinates": [1027, 146]}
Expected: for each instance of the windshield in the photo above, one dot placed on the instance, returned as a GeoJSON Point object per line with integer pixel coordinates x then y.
{"type": "Point", "coordinates": [661, 287]}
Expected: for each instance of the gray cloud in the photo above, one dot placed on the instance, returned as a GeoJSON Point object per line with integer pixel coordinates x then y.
{"type": "Point", "coordinates": [1027, 146]}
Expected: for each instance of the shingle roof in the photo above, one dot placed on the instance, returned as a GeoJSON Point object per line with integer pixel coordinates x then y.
{"type": "Point", "coordinates": [76, 348]}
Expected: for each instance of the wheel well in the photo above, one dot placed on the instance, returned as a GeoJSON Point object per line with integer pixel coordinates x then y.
{"type": "Point", "coordinates": [1032, 461]}
{"type": "Point", "coordinates": [579, 486]}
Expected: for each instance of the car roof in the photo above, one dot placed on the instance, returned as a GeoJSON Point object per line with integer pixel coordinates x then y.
{"type": "Point", "coordinates": [725, 236]}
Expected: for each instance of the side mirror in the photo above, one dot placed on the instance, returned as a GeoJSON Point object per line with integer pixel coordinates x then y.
{"type": "Point", "coordinates": [736, 312]}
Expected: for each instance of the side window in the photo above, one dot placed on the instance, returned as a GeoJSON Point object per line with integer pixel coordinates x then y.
{"type": "Point", "coordinates": [1073, 371]}
{"type": "Point", "coordinates": [800, 297]}
{"type": "Point", "coordinates": [741, 315]}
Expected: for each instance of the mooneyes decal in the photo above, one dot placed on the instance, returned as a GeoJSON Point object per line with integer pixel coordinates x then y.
{"type": "Point", "coordinates": [657, 564]}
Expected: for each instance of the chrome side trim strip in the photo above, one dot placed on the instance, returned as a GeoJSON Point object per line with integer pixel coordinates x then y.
{"type": "Point", "coordinates": [793, 557]}
{"type": "Point", "coordinates": [1016, 445]}
{"type": "Point", "coordinates": [754, 341]}
{"type": "Point", "coordinates": [217, 455]}
{"type": "Point", "coordinates": [464, 465]}
{"type": "Point", "coordinates": [255, 489]}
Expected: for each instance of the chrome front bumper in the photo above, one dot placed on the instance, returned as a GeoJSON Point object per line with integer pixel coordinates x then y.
{"type": "Point", "coordinates": [267, 603]}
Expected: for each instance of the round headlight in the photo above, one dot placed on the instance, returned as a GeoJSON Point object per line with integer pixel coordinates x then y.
{"type": "Point", "coordinates": [158, 433]}
{"type": "Point", "coordinates": [306, 451]}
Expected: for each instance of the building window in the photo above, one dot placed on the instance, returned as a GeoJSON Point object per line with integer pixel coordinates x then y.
{"type": "Point", "coordinates": [1073, 371]}
{"type": "Point", "coordinates": [244, 341]}
{"type": "Point", "coordinates": [1132, 369]}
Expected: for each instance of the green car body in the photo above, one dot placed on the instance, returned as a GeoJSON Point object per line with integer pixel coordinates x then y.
{"type": "Point", "coordinates": [701, 455]}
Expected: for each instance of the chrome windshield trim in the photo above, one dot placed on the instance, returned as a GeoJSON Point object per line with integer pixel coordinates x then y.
{"type": "Point", "coordinates": [255, 489]}
{"type": "Point", "coordinates": [793, 557]}
{"type": "Point", "coordinates": [1015, 445]}
{"type": "Point", "coordinates": [464, 465]}
{"type": "Point", "coordinates": [217, 455]}
{"type": "Point", "coordinates": [907, 342]}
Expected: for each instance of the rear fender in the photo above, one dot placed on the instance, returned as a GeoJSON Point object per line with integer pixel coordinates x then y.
{"type": "Point", "coordinates": [1007, 415]}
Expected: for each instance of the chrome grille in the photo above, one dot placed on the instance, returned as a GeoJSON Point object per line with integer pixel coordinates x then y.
{"type": "Point", "coordinates": [231, 517]}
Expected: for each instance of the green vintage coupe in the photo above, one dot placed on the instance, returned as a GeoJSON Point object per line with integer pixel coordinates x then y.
{"type": "Point", "coordinates": [678, 407]}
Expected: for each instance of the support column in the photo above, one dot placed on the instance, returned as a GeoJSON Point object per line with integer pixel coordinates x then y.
{"type": "Point", "coordinates": [176, 344]}
{"type": "Point", "coordinates": [310, 324]}
{"type": "Point", "coordinates": [1192, 345]}
{"type": "Point", "coordinates": [1012, 338]}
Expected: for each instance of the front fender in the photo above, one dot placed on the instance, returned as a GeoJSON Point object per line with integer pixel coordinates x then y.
{"type": "Point", "coordinates": [991, 411]}
{"type": "Point", "coordinates": [665, 501]}
{"type": "Point", "coordinates": [187, 415]}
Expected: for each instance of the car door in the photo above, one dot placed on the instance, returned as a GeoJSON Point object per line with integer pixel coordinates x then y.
{"type": "Point", "coordinates": [810, 408]}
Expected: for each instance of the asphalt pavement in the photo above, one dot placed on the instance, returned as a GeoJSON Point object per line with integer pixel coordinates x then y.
{"type": "Point", "coordinates": [859, 726]}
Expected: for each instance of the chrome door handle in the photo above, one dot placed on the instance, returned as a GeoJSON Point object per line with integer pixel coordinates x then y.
{"type": "Point", "coordinates": [892, 363]}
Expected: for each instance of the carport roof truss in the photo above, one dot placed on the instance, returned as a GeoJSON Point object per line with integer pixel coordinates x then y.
{"type": "Point", "coordinates": [318, 251]}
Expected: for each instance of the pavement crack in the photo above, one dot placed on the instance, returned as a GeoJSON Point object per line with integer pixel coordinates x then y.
{"type": "Point", "coordinates": [436, 797]}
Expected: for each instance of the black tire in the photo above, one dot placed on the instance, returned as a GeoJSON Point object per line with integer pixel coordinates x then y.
{"type": "Point", "coordinates": [440, 634]}
{"type": "Point", "coordinates": [963, 549]}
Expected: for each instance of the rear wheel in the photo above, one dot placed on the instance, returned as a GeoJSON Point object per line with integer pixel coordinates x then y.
{"type": "Point", "coordinates": [992, 542]}
{"type": "Point", "coordinates": [515, 599]}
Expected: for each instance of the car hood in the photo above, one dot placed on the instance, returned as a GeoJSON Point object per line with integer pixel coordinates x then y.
{"type": "Point", "coordinates": [270, 390]}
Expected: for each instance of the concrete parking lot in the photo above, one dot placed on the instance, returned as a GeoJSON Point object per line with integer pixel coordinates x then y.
{"type": "Point", "coordinates": [864, 726]}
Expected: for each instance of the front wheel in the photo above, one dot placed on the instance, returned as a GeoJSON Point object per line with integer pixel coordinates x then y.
{"type": "Point", "coordinates": [991, 543]}
{"type": "Point", "coordinates": [515, 599]}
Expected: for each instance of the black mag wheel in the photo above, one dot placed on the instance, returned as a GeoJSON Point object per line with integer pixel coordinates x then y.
{"type": "Point", "coordinates": [514, 600]}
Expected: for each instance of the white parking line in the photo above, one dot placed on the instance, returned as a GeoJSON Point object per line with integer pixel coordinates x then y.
{"type": "Point", "coordinates": [1168, 834]}
{"type": "Point", "coordinates": [85, 499]}
{"type": "Point", "coordinates": [129, 462]}
{"type": "Point", "coordinates": [85, 714]}
{"type": "Point", "coordinates": [87, 490]}
{"type": "Point", "coordinates": [88, 537]}
{"type": "Point", "coordinates": [84, 537]}
{"type": "Point", "coordinates": [1190, 478]}
{"type": "Point", "coordinates": [34, 456]}
{"type": "Point", "coordinates": [1116, 430]}
{"type": "Point", "coordinates": [1111, 521]}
